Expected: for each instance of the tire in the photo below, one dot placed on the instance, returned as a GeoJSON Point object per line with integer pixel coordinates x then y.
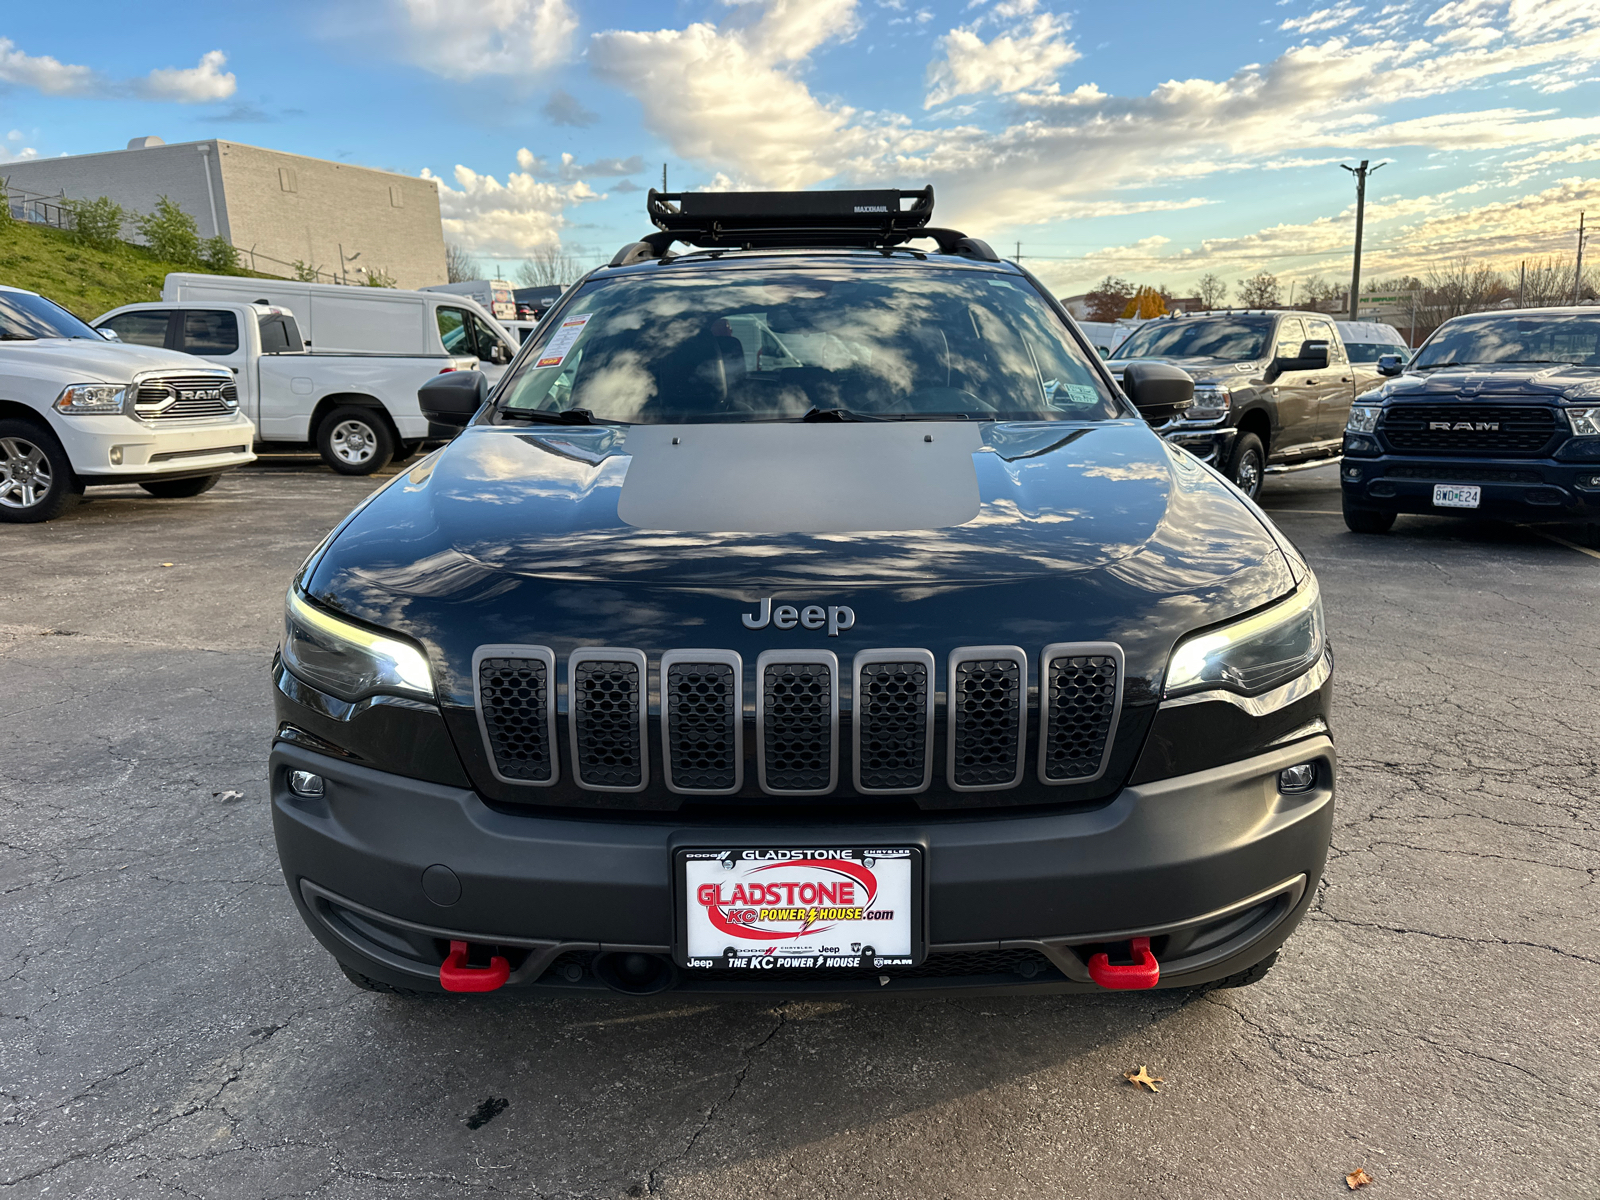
{"type": "Point", "coordinates": [355, 441]}
{"type": "Point", "coordinates": [1367, 520]}
{"type": "Point", "coordinates": [37, 482]}
{"type": "Point", "coordinates": [180, 489]}
{"type": "Point", "coordinates": [386, 989]}
{"type": "Point", "coordinates": [1247, 465]}
{"type": "Point", "coordinates": [1244, 978]}
{"type": "Point", "coordinates": [407, 451]}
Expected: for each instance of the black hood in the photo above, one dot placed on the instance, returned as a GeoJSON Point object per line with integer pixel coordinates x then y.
{"type": "Point", "coordinates": [658, 537]}
{"type": "Point", "coordinates": [1555, 381]}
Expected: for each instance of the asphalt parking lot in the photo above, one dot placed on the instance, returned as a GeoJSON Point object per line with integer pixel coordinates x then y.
{"type": "Point", "coordinates": [168, 1028]}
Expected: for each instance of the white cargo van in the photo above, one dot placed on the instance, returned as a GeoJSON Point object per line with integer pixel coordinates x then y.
{"type": "Point", "coordinates": [335, 319]}
{"type": "Point", "coordinates": [493, 294]}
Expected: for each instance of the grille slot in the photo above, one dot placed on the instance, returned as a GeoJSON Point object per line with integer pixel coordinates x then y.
{"type": "Point", "coordinates": [702, 718]}
{"type": "Point", "coordinates": [1463, 475]}
{"type": "Point", "coordinates": [1524, 429]}
{"type": "Point", "coordinates": [797, 718]}
{"type": "Point", "coordinates": [516, 712]}
{"type": "Point", "coordinates": [987, 697]}
{"type": "Point", "coordinates": [1080, 699]}
{"type": "Point", "coordinates": [606, 714]}
{"type": "Point", "coordinates": [166, 398]}
{"type": "Point", "coordinates": [893, 721]}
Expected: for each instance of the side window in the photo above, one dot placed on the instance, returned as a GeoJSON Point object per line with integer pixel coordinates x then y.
{"type": "Point", "coordinates": [454, 331]}
{"type": "Point", "coordinates": [279, 336]}
{"type": "Point", "coordinates": [210, 331]}
{"type": "Point", "coordinates": [148, 328]}
{"type": "Point", "coordinates": [1290, 335]}
{"type": "Point", "coordinates": [1318, 330]}
{"type": "Point", "coordinates": [484, 338]}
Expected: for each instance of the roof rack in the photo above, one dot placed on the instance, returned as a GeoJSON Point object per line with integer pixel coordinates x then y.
{"type": "Point", "coordinates": [865, 219]}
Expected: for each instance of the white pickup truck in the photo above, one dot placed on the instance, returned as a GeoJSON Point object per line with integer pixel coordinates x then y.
{"type": "Point", "coordinates": [77, 410]}
{"type": "Point", "coordinates": [359, 409]}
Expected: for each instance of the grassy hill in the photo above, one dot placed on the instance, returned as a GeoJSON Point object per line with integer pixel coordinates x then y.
{"type": "Point", "coordinates": [80, 278]}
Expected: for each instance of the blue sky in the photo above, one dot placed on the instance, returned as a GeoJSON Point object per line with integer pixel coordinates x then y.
{"type": "Point", "coordinates": [1155, 141]}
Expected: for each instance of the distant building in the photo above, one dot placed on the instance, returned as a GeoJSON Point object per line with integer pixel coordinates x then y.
{"type": "Point", "coordinates": [275, 208]}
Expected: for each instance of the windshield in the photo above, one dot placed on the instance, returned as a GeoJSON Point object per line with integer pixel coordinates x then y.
{"type": "Point", "coordinates": [25, 317]}
{"type": "Point", "coordinates": [775, 342]}
{"type": "Point", "coordinates": [1546, 338]}
{"type": "Point", "coordinates": [1232, 339]}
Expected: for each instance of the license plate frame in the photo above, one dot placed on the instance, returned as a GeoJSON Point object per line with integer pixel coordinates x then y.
{"type": "Point", "coordinates": [1457, 495]}
{"type": "Point", "coordinates": [899, 940]}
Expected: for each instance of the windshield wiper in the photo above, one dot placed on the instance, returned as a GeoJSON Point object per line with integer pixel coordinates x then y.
{"type": "Point", "coordinates": [836, 414]}
{"type": "Point", "coordinates": [571, 416]}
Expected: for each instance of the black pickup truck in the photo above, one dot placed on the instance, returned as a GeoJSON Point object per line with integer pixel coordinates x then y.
{"type": "Point", "coordinates": [1498, 417]}
{"type": "Point", "coordinates": [1272, 389]}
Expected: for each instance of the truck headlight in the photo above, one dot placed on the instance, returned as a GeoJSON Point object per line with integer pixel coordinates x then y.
{"type": "Point", "coordinates": [96, 398]}
{"type": "Point", "coordinates": [1211, 402]}
{"type": "Point", "coordinates": [1584, 421]}
{"type": "Point", "coordinates": [1256, 654]}
{"type": "Point", "coordinates": [1363, 419]}
{"type": "Point", "coordinates": [349, 661]}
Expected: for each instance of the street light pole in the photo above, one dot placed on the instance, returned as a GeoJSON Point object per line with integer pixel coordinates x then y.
{"type": "Point", "coordinates": [1361, 174]}
{"type": "Point", "coordinates": [1577, 274]}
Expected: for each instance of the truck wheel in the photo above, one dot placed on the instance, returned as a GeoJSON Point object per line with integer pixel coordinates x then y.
{"type": "Point", "coordinates": [37, 482]}
{"type": "Point", "coordinates": [1247, 465]}
{"type": "Point", "coordinates": [355, 441]}
{"type": "Point", "coordinates": [1367, 520]}
{"type": "Point", "coordinates": [179, 489]}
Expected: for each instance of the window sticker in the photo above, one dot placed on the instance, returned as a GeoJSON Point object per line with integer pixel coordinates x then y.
{"type": "Point", "coordinates": [555, 352]}
{"type": "Point", "coordinates": [1081, 393]}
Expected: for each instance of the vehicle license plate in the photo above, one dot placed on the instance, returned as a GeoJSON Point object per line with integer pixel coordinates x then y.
{"type": "Point", "coordinates": [800, 908]}
{"type": "Point", "coordinates": [1450, 495]}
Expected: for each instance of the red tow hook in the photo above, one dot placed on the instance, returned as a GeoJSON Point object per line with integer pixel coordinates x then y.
{"type": "Point", "coordinates": [456, 976]}
{"type": "Point", "coordinates": [1145, 973]}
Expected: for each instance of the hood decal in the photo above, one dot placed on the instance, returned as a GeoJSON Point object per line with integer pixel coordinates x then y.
{"type": "Point", "coordinates": [794, 478]}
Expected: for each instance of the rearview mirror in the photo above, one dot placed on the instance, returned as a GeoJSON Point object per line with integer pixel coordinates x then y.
{"type": "Point", "coordinates": [453, 397]}
{"type": "Point", "coordinates": [1160, 391]}
{"type": "Point", "coordinates": [1390, 365]}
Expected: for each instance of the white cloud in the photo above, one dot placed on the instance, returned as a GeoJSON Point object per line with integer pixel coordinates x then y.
{"type": "Point", "coordinates": [508, 220]}
{"type": "Point", "coordinates": [191, 85]}
{"type": "Point", "coordinates": [1522, 168]}
{"type": "Point", "coordinates": [462, 39]}
{"type": "Point", "coordinates": [21, 155]}
{"type": "Point", "coordinates": [1028, 56]}
{"type": "Point", "coordinates": [199, 84]}
{"type": "Point", "coordinates": [1323, 19]}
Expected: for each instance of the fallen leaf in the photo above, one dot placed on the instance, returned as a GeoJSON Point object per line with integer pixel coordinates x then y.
{"type": "Point", "coordinates": [169, 564]}
{"type": "Point", "coordinates": [228, 797]}
{"type": "Point", "coordinates": [1143, 1079]}
{"type": "Point", "coordinates": [1357, 1179]}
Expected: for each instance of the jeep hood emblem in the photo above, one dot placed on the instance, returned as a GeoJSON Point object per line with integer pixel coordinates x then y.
{"type": "Point", "coordinates": [812, 616]}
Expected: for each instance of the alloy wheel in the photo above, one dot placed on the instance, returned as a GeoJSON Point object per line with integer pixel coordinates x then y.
{"type": "Point", "coordinates": [25, 475]}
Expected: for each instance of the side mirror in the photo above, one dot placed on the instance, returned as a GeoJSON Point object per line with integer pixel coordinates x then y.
{"type": "Point", "coordinates": [499, 355]}
{"type": "Point", "coordinates": [108, 333]}
{"type": "Point", "coordinates": [1313, 356]}
{"type": "Point", "coordinates": [1390, 365]}
{"type": "Point", "coordinates": [1159, 391]}
{"type": "Point", "coordinates": [453, 398]}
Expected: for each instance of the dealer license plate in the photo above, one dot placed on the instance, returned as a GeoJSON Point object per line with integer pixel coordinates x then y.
{"type": "Point", "coordinates": [800, 908]}
{"type": "Point", "coordinates": [1450, 495]}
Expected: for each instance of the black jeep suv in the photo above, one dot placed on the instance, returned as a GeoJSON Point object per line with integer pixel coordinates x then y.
{"type": "Point", "coordinates": [1498, 416]}
{"type": "Point", "coordinates": [806, 612]}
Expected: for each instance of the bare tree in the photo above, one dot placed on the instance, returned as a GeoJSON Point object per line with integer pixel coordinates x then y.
{"type": "Point", "coordinates": [459, 266]}
{"type": "Point", "coordinates": [1319, 295]}
{"type": "Point", "coordinates": [1548, 283]}
{"type": "Point", "coordinates": [547, 266]}
{"type": "Point", "coordinates": [1260, 291]}
{"type": "Point", "coordinates": [1213, 290]}
{"type": "Point", "coordinates": [1463, 286]}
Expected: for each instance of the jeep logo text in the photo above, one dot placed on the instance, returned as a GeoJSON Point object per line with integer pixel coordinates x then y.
{"type": "Point", "coordinates": [812, 616]}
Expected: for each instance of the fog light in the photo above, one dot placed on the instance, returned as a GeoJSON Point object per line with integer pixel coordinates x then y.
{"type": "Point", "coordinates": [304, 783]}
{"type": "Point", "coordinates": [1352, 473]}
{"type": "Point", "coordinates": [116, 456]}
{"type": "Point", "coordinates": [1299, 778]}
{"type": "Point", "coordinates": [1589, 481]}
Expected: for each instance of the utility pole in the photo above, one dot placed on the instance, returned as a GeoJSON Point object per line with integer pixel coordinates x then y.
{"type": "Point", "coordinates": [663, 177]}
{"type": "Point", "coordinates": [1019, 252]}
{"type": "Point", "coordinates": [1522, 286]}
{"type": "Point", "coordinates": [1361, 174]}
{"type": "Point", "coordinates": [1577, 274]}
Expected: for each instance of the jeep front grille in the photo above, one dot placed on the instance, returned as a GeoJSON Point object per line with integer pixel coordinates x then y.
{"type": "Point", "coordinates": [516, 711]}
{"type": "Point", "coordinates": [1521, 430]}
{"type": "Point", "coordinates": [797, 716]}
{"type": "Point", "coordinates": [702, 718]}
{"type": "Point", "coordinates": [987, 703]}
{"type": "Point", "coordinates": [893, 721]}
{"type": "Point", "coordinates": [185, 397]}
{"type": "Point", "coordinates": [607, 718]}
{"type": "Point", "coordinates": [1080, 698]}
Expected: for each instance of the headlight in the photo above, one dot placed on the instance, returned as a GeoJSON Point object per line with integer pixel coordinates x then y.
{"type": "Point", "coordinates": [92, 398]}
{"type": "Point", "coordinates": [1362, 419]}
{"type": "Point", "coordinates": [1211, 403]}
{"type": "Point", "coordinates": [1584, 420]}
{"type": "Point", "coordinates": [348, 661]}
{"type": "Point", "coordinates": [1256, 654]}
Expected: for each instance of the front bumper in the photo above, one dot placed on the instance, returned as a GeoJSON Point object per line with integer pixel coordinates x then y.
{"type": "Point", "coordinates": [1528, 491]}
{"type": "Point", "coordinates": [1210, 445]}
{"type": "Point", "coordinates": [1217, 866]}
{"type": "Point", "coordinates": [153, 450]}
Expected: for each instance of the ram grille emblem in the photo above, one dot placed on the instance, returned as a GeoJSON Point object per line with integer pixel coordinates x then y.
{"type": "Point", "coordinates": [1464, 426]}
